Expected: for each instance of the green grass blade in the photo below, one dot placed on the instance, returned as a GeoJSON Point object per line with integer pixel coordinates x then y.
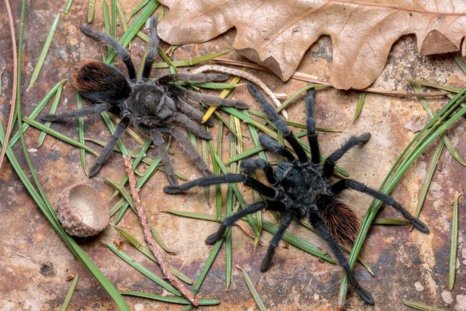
{"type": "Point", "coordinates": [298, 242]}
{"type": "Point", "coordinates": [391, 222]}
{"type": "Point", "coordinates": [172, 299]}
{"type": "Point", "coordinates": [43, 52]}
{"type": "Point", "coordinates": [139, 7]}
{"type": "Point", "coordinates": [146, 252]}
{"type": "Point", "coordinates": [121, 190]}
{"type": "Point", "coordinates": [207, 265]}
{"type": "Point", "coordinates": [454, 243]}
{"type": "Point", "coordinates": [253, 291]}
{"type": "Point", "coordinates": [59, 136]}
{"type": "Point", "coordinates": [143, 270]}
{"type": "Point", "coordinates": [359, 106]}
{"type": "Point", "coordinates": [421, 306]}
{"type": "Point", "coordinates": [53, 109]}
{"type": "Point", "coordinates": [428, 179]}
{"type": "Point", "coordinates": [67, 9]}
{"type": "Point", "coordinates": [70, 293]}
{"type": "Point", "coordinates": [37, 110]}
{"type": "Point", "coordinates": [106, 15]}
{"type": "Point", "coordinates": [134, 28]}
{"type": "Point", "coordinates": [191, 61]}
{"type": "Point", "coordinates": [80, 120]}
{"type": "Point", "coordinates": [113, 30]}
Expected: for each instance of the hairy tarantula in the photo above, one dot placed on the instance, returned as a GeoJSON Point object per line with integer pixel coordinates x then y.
{"type": "Point", "coordinates": [155, 107]}
{"type": "Point", "coordinates": [300, 188]}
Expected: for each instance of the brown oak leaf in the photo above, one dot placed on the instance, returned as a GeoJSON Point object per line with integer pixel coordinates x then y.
{"type": "Point", "coordinates": [277, 33]}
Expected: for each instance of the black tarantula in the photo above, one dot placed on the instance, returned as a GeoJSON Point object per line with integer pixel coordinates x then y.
{"type": "Point", "coordinates": [300, 188]}
{"type": "Point", "coordinates": [155, 107]}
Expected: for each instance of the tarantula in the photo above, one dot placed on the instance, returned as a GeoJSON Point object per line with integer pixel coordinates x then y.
{"type": "Point", "coordinates": [300, 188]}
{"type": "Point", "coordinates": [155, 107]}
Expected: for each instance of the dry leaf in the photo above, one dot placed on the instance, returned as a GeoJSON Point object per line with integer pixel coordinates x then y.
{"type": "Point", "coordinates": [277, 33]}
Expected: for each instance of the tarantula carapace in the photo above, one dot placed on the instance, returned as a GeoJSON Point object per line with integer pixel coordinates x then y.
{"type": "Point", "coordinates": [157, 107]}
{"type": "Point", "coordinates": [301, 188]}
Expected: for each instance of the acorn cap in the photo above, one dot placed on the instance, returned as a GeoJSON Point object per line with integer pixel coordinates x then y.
{"type": "Point", "coordinates": [82, 211]}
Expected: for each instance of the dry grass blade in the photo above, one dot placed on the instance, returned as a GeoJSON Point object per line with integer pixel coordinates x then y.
{"type": "Point", "coordinates": [150, 240]}
{"type": "Point", "coordinates": [15, 82]}
{"type": "Point", "coordinates": [359, 106]}
{"type": "Point", "coordinates": [252, 289]}
{"type": "Point", "coordinates": [90, 11]}
{"type": "Point", "coordinates": [454, 243]}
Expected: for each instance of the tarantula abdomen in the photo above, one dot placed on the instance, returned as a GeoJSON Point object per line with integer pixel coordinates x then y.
{"type": "Point", "coordinates": [100, 83]}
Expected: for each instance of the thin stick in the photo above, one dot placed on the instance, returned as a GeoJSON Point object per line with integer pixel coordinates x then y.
{"type": "Point", "coordinates": [15, 82]}
{"type": "Point", "coordinates": [301, 76]}
{"type": "Point", "coordinates": [150, 240]}
{"type": "Point", "coordinates": [244, 75]}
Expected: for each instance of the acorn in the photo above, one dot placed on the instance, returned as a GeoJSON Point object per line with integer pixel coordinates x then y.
{"type": "Point", "coordinates": [82, 211]}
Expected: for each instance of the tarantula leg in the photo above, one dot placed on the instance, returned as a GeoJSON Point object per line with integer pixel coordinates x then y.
{"type": "Point", "coordinates": [311, 127]}
{"type": "Point", "coordinates": [194, 78]}
{"type": "Point", "coordinates": [153, 46]}
{"type": "Point", "coordinates": [324, 232]}
{"type": "Point", "coordinates": [102, 158]}
{"type": "Point", "coordinates": [187, 147]}
{"type": "Point", "coordinates": [356, 185]}
{"type": "Point", "coordinates": [76, 113]}
{"type": "Point", "coordinates": [285, 223]}
{"type": "Point", "coordinates": [121, 51]}
{"type": "Point", "coordinates": [250, 165]}
{"type": "Point", "coordinates": [214, 100]}
{"type": "Point", "coordinates": [270, 144]}
{"type": "Point", "coordinates": [197, 129]}
{"type": "Point", "coordinates": [192, 112]}
{"type": "Point", "coordinates": [279, 123]}
{"type": "Point", "coordinates": [353, 141]}
{"type": "Point", "coordinates": [160, 149]}
{"type": "Point", "coordinates": [222, 179]}
{"type": "Point", "coordinates": [227, 222]}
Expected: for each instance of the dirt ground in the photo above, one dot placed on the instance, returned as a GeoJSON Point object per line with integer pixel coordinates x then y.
{"type": "Point", "coordinates": [408, 265]}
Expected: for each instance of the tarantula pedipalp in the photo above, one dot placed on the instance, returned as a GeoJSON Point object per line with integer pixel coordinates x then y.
{"type": "Point", "coordinates": [301, 188]}
{"type": "Point", "coordinates": [157, 108]}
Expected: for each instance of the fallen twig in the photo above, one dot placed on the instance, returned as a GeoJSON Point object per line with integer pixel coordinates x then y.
{"type": "Point", "coordinates": [244, 75]}
{"type": "Point", "coordinates": [15, 83]}
{"type": "Point", "coordinates": [301, 76]}
{"type": "Point", "coordinates": [150, 240]}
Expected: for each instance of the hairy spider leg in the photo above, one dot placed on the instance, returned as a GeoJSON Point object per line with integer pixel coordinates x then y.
{"type": "Point", "coordinates": [102, 158]}
{"type": "Point", "coordinates": [356, 185]}
{"type": "Point", "coordinates": [153, 47]}
{"type": "Point", "coordinates": [311, 127]}
{"type": "Point", "coordinates": [222, 179]}
{"type": "Point", "coordinates": [279, 123]}
{"type": "Point", "coordinates": [353, 141]}
{"type": "Point", "coordinates": [250, 165]}
{"type": "Point", "coordinates": [188, 148]}
{"type": "Point", "coordinates": [121, 51]}
{"type": "Point", "coordinates": [272, 145]}
{"type": "Point", "coordinates": [214, 100]}
{"type": "Point", "coordinates": [76, 113]}
{"type": "Point", "coordinates": [324, 232]}
{"type": "Point", "coordinates": [193, 77]}
{"type": "Point", "coordinates": [192, 112]}
{"type": "Point", "coordinates": [161, 150]}
{"type": "Point", "coordinates": [229, 221]}
{"type": "Point", "coordinates": [285, 223]}
{"type": "Point", "coordinates": [183, 121]}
